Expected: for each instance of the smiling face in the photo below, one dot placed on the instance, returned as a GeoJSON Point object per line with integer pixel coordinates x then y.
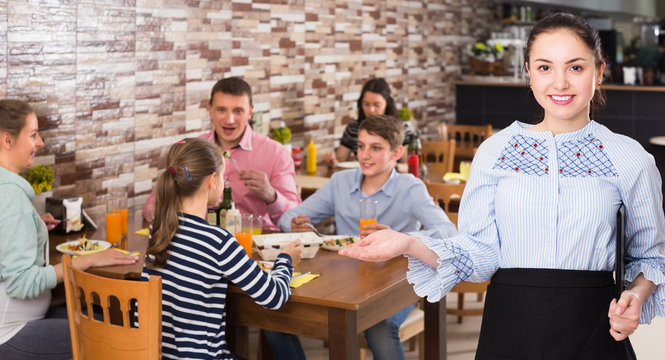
{"type": "Point", "coordinates": [230, 115]}
{"type": "Point", "coordinates": [373, 104]}
{"type": "Point", "coordinates": [563, 77]}
{"type": "Point", "coordinates": [375, 156]}
{"type": "Point", "coordinates": [20, 151]}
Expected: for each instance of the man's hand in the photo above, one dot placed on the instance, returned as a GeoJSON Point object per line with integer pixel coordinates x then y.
{"type": "Point", "coordinates": [299, 223]}
{"type": "Point", "coordinates": [258, 183]}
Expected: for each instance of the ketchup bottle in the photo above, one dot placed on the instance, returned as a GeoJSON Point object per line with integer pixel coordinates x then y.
{"type": "Point", "coordinates": [414, 164]}
{"type": "Point", "coordinates": [297, 158]}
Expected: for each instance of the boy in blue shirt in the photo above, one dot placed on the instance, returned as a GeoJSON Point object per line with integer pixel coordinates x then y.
{"type": "Point", "coordinates": [403, 204]}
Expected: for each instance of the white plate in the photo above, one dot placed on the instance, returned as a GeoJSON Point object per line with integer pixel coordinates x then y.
{"type": "Point", "coordinates": [336, 247]}
{"type": "Point", "coordinates": [103, 245]}
{"type": "Point", "coordinates": [348, 165]}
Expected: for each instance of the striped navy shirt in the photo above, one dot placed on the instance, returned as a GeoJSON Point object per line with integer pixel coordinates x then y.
{"type": "Point", "coordinates": [202, 260]}
{"type": "Point", "coordinates": [534, 200]}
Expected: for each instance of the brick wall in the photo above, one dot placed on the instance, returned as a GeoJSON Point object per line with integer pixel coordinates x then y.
{"type": "Point", "coordinates": [115, 82]}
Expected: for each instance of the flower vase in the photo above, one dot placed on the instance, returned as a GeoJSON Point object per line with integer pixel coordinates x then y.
{"type": "Point", "coordinates": [39, 201]}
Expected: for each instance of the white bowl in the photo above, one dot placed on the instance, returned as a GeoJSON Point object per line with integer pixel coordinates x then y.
{"type": "Point", "coordinates": [270, 245]}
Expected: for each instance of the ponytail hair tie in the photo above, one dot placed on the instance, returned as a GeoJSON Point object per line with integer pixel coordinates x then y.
{"type": "Point", "coordinates": [172, 170]}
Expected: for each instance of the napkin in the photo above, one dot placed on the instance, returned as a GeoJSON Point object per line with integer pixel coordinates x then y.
{"type": "Point", "coordinates": [300, 280]}
{"type": "Point", "coordinates": [135, 253]}
{"type": "Point", "coordinates": [145, 232]}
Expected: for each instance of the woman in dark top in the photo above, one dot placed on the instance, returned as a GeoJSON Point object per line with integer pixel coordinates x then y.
{"type": "Point", "coordinates": [375, 99]}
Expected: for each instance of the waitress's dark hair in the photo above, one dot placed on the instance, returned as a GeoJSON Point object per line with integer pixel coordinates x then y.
{"type": "Point", "coordinates": [379, 86]}
{"type": "Point", "coordinates": [584, 31]}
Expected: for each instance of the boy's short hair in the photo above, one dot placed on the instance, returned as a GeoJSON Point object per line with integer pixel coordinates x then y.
{"type": "Point", "coordinates": [387, 127]}
{"type": "Point", "coordinates": [232, 86]}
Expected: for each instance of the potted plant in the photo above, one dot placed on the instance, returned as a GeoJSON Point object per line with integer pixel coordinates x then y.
{"type": "Point", "coordinates": [40, 178]}
{"type": "Point", "coordinates": [282, 134]}
{"type": "Point", "coordinates": [486, 59]}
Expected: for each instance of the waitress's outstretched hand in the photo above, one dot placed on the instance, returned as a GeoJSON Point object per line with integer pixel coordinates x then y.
{"type": "Point", "coordinates": [379, 246]}
{"type": "Point", "coordinates": [624, 315]}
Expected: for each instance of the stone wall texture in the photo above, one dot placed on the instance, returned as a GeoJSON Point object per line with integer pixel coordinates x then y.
{"type": "Point", "coordinates": [115, 82]}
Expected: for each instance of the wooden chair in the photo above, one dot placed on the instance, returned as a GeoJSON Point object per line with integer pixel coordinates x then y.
{"type": "Point", "coordinates": [101, 315]}
{"type": "Point", "coordinates": [468, 138]}
{"type": "Point", "coordinates": [443, 194]}
{"type": "Point", "coordinates": [439, 156]}
{"type": "Point", "coordinates": [411, 330]}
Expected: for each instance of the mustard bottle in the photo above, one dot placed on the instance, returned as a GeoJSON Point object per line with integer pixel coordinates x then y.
{"type": "Point", "coordinates": [311, 158]}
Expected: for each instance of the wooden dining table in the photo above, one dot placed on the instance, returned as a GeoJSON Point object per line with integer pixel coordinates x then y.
{"type": "Point", "coordinates": [348, 297]}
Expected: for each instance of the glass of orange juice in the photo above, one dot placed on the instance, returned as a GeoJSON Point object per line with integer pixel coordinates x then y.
{"type": "Point", "coordinates": [113, 221]}
{"type": "Point", "coordinates": [121, 197]}
{"type": "Point", "coordinates": [244, 237]}
{"type": "Point", "coordinates": [367, 213]}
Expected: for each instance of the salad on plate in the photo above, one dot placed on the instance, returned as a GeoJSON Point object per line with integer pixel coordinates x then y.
{"type": "Point", "coordinates": [337, 242]}
{"type": "Point", "coordinates": [83, 246]}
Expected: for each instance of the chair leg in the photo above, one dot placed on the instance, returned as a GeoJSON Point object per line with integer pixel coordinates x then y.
{"type": "Point", "coordinates": [362, 353]}
{"type": "Point", "coordinates": [460, 306]}
{"type": "Point", "coordinates": [412, 343]}
{"type": "Point", "coordinates": [480, 297]}
{"type": "Point", "coordinates": [421, 346]}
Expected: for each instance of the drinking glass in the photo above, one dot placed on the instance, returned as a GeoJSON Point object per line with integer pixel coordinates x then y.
{"type": "Point", "coordinates": [114, 222]}
{"type": "Point", "coordinates": [257, 225]}
{"type": "Point", "coordinates": [244, 237]}
{"type": "Point", "coordinates": [367, 213]}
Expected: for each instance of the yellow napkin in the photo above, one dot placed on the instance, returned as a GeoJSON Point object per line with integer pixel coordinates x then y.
{"type": "Point", "coordinates": [145, 232]}
{"type": "Point", "coordinates": [300, 280]}
{"type": "Point", "coordinates": [451, 176]}
{"type": "Point", "coordinates": [135, 253]}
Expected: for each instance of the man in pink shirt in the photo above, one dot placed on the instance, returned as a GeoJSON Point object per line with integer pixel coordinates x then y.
{"type": "Point", "coordinates": [266, 182]}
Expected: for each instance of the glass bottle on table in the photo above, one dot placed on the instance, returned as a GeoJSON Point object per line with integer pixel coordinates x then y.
{"type": "Point", "coordinates": [217, 215]}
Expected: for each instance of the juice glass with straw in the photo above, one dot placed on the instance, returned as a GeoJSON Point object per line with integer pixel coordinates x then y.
{"type": "Point", "coordinates": [367, 213]}
{"type": "Point", "coordinates": [244, 237]}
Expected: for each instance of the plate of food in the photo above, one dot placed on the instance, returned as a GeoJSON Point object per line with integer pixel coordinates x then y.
{"type": "Point", "coordinates": [334, 243]}
{"type": "Point", "coordinates": [83, 246]}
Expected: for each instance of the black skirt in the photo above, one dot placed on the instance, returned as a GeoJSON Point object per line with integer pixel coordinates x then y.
{"type": "Point", "coordinates": [543, 314]}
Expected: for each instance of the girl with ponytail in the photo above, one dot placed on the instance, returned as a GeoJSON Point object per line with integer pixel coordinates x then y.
{"type": "Point", "coordinates": [196, 260]}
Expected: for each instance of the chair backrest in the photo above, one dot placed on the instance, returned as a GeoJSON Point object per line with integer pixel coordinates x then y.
{"type": "Point", "coordinates": [102, 313]}
{"type": "Point", "coordinates": [465, 133]}
{"type": "Point", "coordinates": [439, 156]}
{"type": "Point", "coordinates": [443, 194]}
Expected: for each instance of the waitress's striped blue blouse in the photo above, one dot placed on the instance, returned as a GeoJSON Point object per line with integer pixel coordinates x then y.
{"type": "Point", "coordinates": [538, 201]}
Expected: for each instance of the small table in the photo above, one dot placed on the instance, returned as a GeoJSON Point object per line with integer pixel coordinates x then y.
{"type": "Point", "coordinates": [348, 297]}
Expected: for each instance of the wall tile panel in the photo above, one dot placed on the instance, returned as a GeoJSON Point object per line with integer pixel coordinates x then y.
{"type": "Point", "coordinates": [115, 82]}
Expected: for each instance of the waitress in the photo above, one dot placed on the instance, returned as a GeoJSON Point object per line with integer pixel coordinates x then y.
{"type": "Point", "coordinates": [538, 218]}
{"type": "Point", "coordinates": [29, 329]}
